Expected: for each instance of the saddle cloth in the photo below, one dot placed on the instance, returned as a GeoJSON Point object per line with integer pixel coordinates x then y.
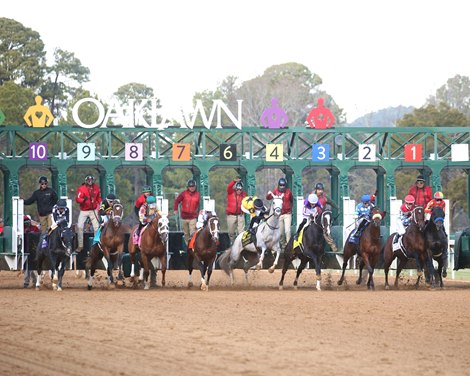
{"type": "Point", "coordinates": [298, 242]}
{"type": "Point", "coordinates": [247, 238]}
{"type": "Point", "coordinates": [136, 239]}
{"type": "Point", "coordinates": [193, 239]}
{"type": "Point", "coordinates": [397, 244]}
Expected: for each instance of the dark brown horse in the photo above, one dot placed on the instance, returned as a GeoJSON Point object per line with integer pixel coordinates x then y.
{"type": "Point", "coordinates": [205, 251]}
{"type": "Point", "coordinates": [153, 243]}
{"type": "Point", "coordinates": [313, 242]}
{"type": "Point", "coordinates": [437, 243]}
{"type": "Point", "coordinates": [110, 246]}
{"type": "Point", "coordinates": [414, 247]}
{"type": "Point", "coordinates": [368, 248]}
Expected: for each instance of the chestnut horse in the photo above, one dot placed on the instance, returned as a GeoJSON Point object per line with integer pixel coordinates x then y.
{"type": "Point", "coordinates": [414, 247]}
{"type": "Point", "coordinates": [153, 241]}
{"type": "Point", "coordinates": [368, 248]}
{"type": "Point", "coordinates": [205, 251]}
{"type": "Point", "coordinates": [313, 241]}
{"type": "Point", "coordinates": [110, 246]}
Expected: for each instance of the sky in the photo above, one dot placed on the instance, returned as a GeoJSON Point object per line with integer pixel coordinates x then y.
{"type": "Point", "coordinates": [370, 54]}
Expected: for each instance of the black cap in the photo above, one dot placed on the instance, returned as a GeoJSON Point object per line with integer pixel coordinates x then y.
{"type": "Point", "coordinates": [420, 177]}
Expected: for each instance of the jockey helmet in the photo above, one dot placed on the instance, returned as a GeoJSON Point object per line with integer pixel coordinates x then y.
{"type": "Point", "coordinates": [312, 198]}
{"type": "Point", "coordinates": [146, 188]}
{"type": "Point", "coordinates": [151, 200]}
{"type": "Point", "coordinates": [191, 183]}
{"type": "Point", "coordinates": [111, 196]}
{"type": "Point", "coordinates": [42, 179]}
{"type": "Point", "coordinates": [439, 196]}
{"type": "Point", "coordinates": [258, 204]}
{"type": "Point", "coordinates": [61, 203]}
{"type": "Point", "coordinates": [281, 185]}
{"type": "Point", "coordinates": [320, 186]}
{"type": "Point", "coordinates": [365, 198]}
{"type": "Point", "coordinates": [239, 186]}
{"type": "Point", "coordinates": [89, 178]}
{"type": "Point", "coordinates": [409, 199]}
{"type": "Point", "coordinates": [26, 218]}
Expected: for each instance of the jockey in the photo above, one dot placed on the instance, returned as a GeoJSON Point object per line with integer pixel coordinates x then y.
{"type": "Point", "coordinates": [60, 214]}
{"type": "Point", "coordinates": [203, 217]}
{"type": "Point", "coordinates": [146, 191]}
{"type": "Point", "coordinates": [438, 200]}
{"type": "Point", "coordinates": [406, 210]}
{"type": "Point", "coordinates": [106, 207]}
{"type": "Point", "coordinates": [362, 214]}
{"type": "Point", "coordinates": [260, 212]}
{"type": "Point", "coordinates": [147, 213]}
{"type": "Point", "coordinates": [248, 205]}
{"type": "Point", "coordinates": [312, 207]}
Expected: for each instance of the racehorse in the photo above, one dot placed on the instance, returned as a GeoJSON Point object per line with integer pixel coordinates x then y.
{"type": "Point", "coordinates": [414, 247]}
{"type": "Point", "coordinates": [368, 249]}
{"type": "Point", "coordinates": [436, 242]}
{"type": "Point", "coordinates": [58, 251]}
{"type": "Point", "coordinates": [153, 241]}
{"type": "Point", "coordinates": [110, 246]}
{"type": "Point", "coordinates": [267, 237]}
{"type": "Point", "coordinates": [205, 251]}
{"type": "Point", "coordinates": [313, 242]}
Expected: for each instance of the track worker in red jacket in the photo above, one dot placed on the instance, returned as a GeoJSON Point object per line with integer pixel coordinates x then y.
{"type": "Point", "coordinates": [235, 216]}
{"type": "Point", "coordinates": [421, 192]}
{"type": "Point", "coordinates": [285, 220]}
{"type": "Point", "coordinates": [189, 200]}
{"type": "Point", "coordinates": [89, 199]}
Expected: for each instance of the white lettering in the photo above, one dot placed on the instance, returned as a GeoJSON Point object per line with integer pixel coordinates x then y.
{"type": "Point", "coordinates": [76, 116]}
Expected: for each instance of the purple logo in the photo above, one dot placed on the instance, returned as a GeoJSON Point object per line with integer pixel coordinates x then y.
{"type": "Point", "coordinates": [274, 116]}
{"type": "Point", "coordinates": [38, 151]}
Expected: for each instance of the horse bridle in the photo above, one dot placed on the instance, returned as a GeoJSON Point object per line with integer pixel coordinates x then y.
{"type": "Point", "coordinates": [214, 233]}
{"type": "Point", "coordinates": [113, 215]}
{"type": "Point", "coordinates": [413, 214]}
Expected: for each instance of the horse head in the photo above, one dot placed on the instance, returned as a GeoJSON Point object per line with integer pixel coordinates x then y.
{"type": "Point", "coordinates": [417, 217]}
{"type": "Point", "coordinates": [163, 228]}
{"type": "Point", "coordinates": [117, 213]}
{"type": "Point", "coordinates": [377, 216]}
{"type": "Point", "coordinates": [276, 205]}
{"type": "Point", "coordinates": [214, 228]}
{"type": "Point", "coordinates": [66, 237]}
{"type": "Point", "coordinates": [326, 220]}
{"type": "Point", "coordinates": [437, 216]}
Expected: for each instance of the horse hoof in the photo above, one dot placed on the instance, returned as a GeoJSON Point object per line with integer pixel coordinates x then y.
{"type": "Point", "coordinates": [387, 287]}
{"type": "Point", "coordinates": [89, 287]}
{"type": "Point", "coordinates": [79, 274]}
{"type": "Point", "coordinates": [271, 269]}
{"type": "Point", "coordinates": [340, 282]}
{"type": "Point", "coordinates": [258, 267]}
{"type": "Point", "coordinates": [204, 288]}
{"type": "Point", "coordinates": [281, 288]}
{"type": "Point", "coordinates": [59, 288]}
{"type": "Point", "coordinates": [296, 287]}
{"type": "Point", "coordinates": [190, 284]}
{"type": "Point", "coordinates": [54, 286]}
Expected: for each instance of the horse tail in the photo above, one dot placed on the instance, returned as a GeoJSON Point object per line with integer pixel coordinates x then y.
{"type": "Point", "coordinates": [224, 260]}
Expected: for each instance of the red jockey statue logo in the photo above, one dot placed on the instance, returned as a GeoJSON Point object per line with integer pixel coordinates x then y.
{"type": "Point", "coordinates": [320, 117]}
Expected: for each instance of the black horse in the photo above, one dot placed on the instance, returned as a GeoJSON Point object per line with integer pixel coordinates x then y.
{"type": "Point", "coordinates": [313, 242]}
{"type": "Point", "coordinates": [437, 243]}
{"type": "Point", "coordinates": [58, 251]}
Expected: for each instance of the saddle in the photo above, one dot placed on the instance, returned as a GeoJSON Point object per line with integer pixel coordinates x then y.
{"type": "Point", "coordinates": [397, 244]}
{"type": "Point", "coordinates": [248, 237]}
{"type": "Point", "coordinates": [298, 242]}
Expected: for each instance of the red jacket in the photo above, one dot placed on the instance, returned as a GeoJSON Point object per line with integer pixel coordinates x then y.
{"type": "Point", "coordinates": [422, 195]}
{"type": "Point", "coordinates": [92, 194]}
{"type": "Point", "coordinates": [234, 200]}
{"type": "Point", "coordinates": [287, 199]}
{"type": "Point", "coordinates": [140, 201]}
{"type": "Point", "coordinates": [189, 204]}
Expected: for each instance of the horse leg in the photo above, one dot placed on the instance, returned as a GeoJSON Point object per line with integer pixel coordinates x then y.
{"type": "Point", "coordinates": [163, 264]}
{"type": "Point", "coordinates": [203, 269]}
{"type": "Point", "coordinates": [401, 264]}
{"type": "Point", "coordinates": [287, 261]}
{"type": "Point", "coordinates": [364, 261]}
{"type": "Point", "coordinates": [60, 273]}
{"type": "Point", "coordinates": [346, 257]}
{"type": "Point", "coordinates": [259, 265]}
{"type": "Point", "coordinates": [190, 268]}
{"type": "Point", "coordinates": [40, 259]}
{"type": "Point", "coordinates": [276, 260]}
{"type": "Point", "coordinates": [303, 263]}
{"type": "Point", "coordinates": [209, 270]}
{"type": "Point", "coordinates": [132, 261]}
{"type": "Point", "coordinates": [110, 268]}
{"type": "Point", "coordinates": [145, 266]}
{"type": "Point", "coordinates": [317, 261]}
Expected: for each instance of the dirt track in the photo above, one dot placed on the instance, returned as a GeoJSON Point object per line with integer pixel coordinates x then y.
{"type": "Point", "coordinates": [256, 330]}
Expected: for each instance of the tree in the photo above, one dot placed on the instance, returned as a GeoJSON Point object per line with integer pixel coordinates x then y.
{"type": "Point", "coordinates": [295, 88]}
{"type": "Point", "coordinates": [455, 93]}
{"type": "Point", "coordinates": [14, 101]}
{"type": "Point", "coordinates": [22, 55]}
{"type": "Point", "coordinates": [63, 79]}
{"type": "Point", "coordinates": [434, 116]}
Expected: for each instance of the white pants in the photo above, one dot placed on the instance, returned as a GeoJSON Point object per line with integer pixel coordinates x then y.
{"type": "Point", "coordinates": [84, 214]}
{"type": "Point", "coordinates": [400, 227]}
{"type": "Point", "coordinates": [285, 223]}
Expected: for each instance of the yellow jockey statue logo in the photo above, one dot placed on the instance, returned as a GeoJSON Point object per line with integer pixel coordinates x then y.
{"type": "Point", "coordinates": [38, 116]}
